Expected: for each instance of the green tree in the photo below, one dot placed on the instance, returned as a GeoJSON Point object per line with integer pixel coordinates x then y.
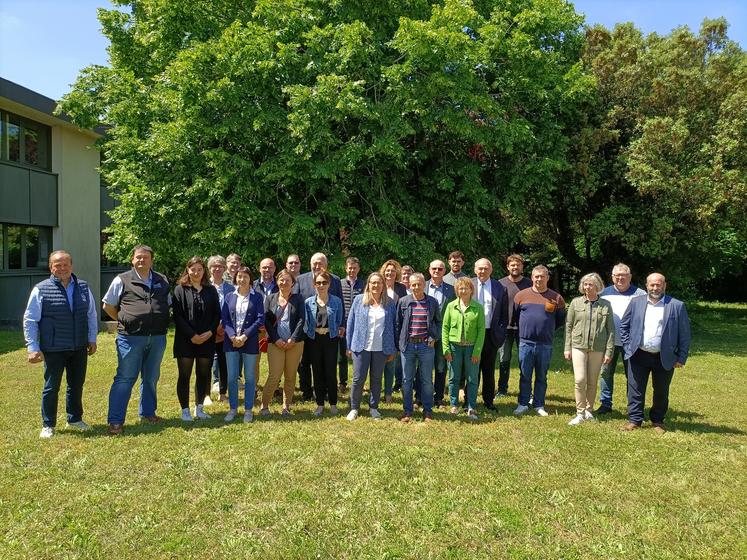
{"type": "Point", "coordinates": [657, 159]}
{"type": "Point", "coordinates": [394, 127]}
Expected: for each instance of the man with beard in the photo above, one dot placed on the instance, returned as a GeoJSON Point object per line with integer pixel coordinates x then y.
{"type": "Point", "coordinates": [514, 283]}
{"type": "Point", "coordinates": [655, 334]}
{"type": "Point", "coordinates": [456, 262]}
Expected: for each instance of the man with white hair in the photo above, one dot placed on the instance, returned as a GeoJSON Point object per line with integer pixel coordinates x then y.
{"type": "Point", "coordinates": [655, 334]}
{"type": "Point", "coordinates": [619, 295]}
{"type": "Point", "coordinates": [305, 286]}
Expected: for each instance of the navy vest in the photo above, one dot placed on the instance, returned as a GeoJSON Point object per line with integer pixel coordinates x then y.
{"type": "Point", "coordinates": [61, 329]}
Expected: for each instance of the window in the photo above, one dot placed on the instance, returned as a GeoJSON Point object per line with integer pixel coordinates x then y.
{"type": "Point", "coordinates": [24, 141]}
{"type": "Point", "coordinates": [24, 247]}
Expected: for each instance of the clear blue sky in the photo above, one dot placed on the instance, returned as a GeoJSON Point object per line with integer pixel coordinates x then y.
{"type": "Point", "coordinates": [44, 43]}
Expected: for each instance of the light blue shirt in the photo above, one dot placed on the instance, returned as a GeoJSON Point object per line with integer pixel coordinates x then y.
{"type": "Point", "coordinates": [437, 292]}
{"type": "Point", "coordinates": [32, 316]}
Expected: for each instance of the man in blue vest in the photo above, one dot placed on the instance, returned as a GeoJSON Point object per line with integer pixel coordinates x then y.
{"type": "Point", "coordinates": [139, 300]}
{"type": "Point", "coordinates": [60, 327]}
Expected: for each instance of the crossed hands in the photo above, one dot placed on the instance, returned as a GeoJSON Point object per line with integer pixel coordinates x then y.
{"type": "Point", "coordinates": [201, 338]}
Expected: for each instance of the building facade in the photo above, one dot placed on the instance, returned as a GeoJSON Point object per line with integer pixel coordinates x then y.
{"type": "Point", "coordinates": [51, 196]}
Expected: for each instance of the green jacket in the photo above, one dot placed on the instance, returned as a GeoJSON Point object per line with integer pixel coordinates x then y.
{"type": "Point", "coordinates": [472, 321]}
{"type": "Point", "coordinates": [590, 327]}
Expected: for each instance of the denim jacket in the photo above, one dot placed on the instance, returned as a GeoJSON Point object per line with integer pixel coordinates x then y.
{"type": "Point", "coordinates": [335, 312]}
{"type": "Point", "coordinates": [357, 331]}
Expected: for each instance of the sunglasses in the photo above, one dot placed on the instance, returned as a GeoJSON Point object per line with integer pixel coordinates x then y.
{"type": "Point", "coordinates": [321, 282]}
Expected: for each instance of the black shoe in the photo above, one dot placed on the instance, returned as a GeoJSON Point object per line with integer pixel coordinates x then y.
{"type": "Point", "coordinates": [439, 404]}
{"type": "Point", "coordinates": [396, 388]}
{"type": "Point", "coordinates": [490, 406]}
{"type": "Point", "coordinates": [603, 410]}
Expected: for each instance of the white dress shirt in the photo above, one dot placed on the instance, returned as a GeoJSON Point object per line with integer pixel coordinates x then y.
{"type": "Point", "coordinates": [653, 325]}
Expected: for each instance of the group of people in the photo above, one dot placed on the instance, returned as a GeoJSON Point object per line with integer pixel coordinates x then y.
{"type": "Point", "coordinates": [399, 330]}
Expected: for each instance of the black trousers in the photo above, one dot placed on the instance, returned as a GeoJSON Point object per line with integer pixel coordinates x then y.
{"type": "Point", "coordinates": [342, 360]}
{"type": "Point", "coordinates": [487, 368]}
{"type": "Point", "coordinates": [640, 365]}
{"type": "Point", "coordinates": [304, 374]}
{"type": "Point", "coordinates": [73, 363]}
{"type": "Point", "coordinates": [202, 379]}
{"type": "Point", "coordinates": [220, 357]}
{"type": "Point", "coordinates": [322, 353]}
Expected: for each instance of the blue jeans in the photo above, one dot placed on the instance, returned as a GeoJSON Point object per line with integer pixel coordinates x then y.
{"type": "Point", "coordinates": [55, 363]}
{"type": "Point", "coordinates": [392, 374]}
{"type": "Point", "coordinates": [535, 358]}
{"type": "Point", "coordinates": [423, 355]}
{"type": "Point", "coordinates": [607, 379]}
{"type": "Point", "coordinates": [234, 361]}
{"type": "Point", "coordinates": [461, 366]}
{"type": "Point", "coordinates": [136, 355]}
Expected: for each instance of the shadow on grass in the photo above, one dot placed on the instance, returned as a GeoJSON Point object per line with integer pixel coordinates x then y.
{"type": "Point", "coordinates": [11, 341]}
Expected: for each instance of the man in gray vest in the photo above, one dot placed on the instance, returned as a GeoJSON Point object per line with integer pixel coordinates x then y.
{"type": "Point", "coordinates": [60, 326]}
{"type": "Point", "coordinates": [139, 301]}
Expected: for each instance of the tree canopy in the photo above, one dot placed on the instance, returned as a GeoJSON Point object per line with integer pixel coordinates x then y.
{"type": "Point", "coordinates": [412, 128]}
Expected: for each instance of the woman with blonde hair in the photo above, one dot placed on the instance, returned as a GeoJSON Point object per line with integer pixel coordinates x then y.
{"type": "Point", "coordinates": [370, 340]}
{"type": "Point", "coordinates": [462, 338]}
{"type": "Point", "coordinates": [589, 342]}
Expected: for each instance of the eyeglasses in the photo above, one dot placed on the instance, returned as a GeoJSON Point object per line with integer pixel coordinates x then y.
{"type": "Point", "coordinates": [437, 268]}
{"type": "Point", "coordinates": [293, 262]}
{"type": "Point", "coordinates": [620, 275]}
{"type": "Point", "coordinates": [321, 282]}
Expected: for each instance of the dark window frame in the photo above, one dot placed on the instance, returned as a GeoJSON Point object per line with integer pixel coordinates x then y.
{"type": "Point", "coordinates": [44, 139]}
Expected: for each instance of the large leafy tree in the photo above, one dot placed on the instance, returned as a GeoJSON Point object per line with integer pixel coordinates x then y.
{"type": "Point", "coordinates": [395, 127]}
{"type": "Point", "coordinates": [658, 174]}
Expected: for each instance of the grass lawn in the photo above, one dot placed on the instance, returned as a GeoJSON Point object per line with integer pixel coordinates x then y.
{"type": "Point", "coordinates": [305, 487]}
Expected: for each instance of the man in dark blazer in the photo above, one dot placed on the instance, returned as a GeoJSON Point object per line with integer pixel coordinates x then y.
{"type": "Point", "coordinates": [443, 293]}
{"type": "Point", "coordinates": [655, 334]}
{"type": "Point", "coordinates": [492, 295]}
{"type": "Point", "coordinates": [305, 286]}
{"type": "Point", "coordinates": [351, 287]}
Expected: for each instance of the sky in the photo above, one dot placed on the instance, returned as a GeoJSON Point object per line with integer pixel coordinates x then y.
{"type": "Point", "coordinates": [45, 43]}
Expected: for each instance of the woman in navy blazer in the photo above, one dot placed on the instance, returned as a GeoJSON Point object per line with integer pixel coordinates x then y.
{"type": "Point", "coordinates": [370, 341]}
{"type": "Point", "coordinates": [324, 315]}
{"type": "Point", "coordinates": [284, 321]}
{"type": "Point", "coordinates": [243, 314]}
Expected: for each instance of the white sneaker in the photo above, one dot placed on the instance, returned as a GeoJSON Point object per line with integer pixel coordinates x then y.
{"type": "Point", "coordinates": [46, 432]}
{"type": "Point", "coordinates": [215, 388]}
{"type": "Point", "coordinates": [375, 414]}
{"type": "Point", "coordinates": [186, 416]}
{"type": "Point", "coordinates": [471, 414]}
{"type": "Point", "coordinates": [230, 416]}
{"type": "Point", "coordinates": [576, 420]}
{"type": "Point", "coordinates": [200, 413]}
{"type": "Point", "coordinates": [248, 416]}
{"type": "Point", "coordinates": [588, 415]}
{"type": "Point", "coordinates": [79, 425]}
{"type": "Point", "coordinates": [521, 409]}
{"type": "Point", "coordinates": [333, 410]}
{"type": "Point", "coordinates": [352, 415]}
{"type": "Point", "coordinates": [540, 410]}
{"type": "Point", "coordinates": [208, 401]}
{"type": "Point", "coordinates": [319, 410]}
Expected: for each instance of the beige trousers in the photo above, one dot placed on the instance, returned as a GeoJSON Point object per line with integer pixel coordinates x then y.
{"type": "Point", "coordinates": [586, 368]}
{"type": "Point", "coordinates": [281, 362]}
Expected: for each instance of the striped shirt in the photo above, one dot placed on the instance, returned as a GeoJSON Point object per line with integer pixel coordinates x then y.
{"type": "Point", "coordinates": [419, 318]}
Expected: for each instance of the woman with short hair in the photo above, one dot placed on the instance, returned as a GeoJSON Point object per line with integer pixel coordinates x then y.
{"type": "Point", "coordinates": [284, 321]}
{"type": "Point", "coordinates": [196, 310]}
{"type": "Point", "coordinates": [462, 338]}
{"type": "Point", "coordinates": [589, 342]}
{"type": "Point", "coordinates": [324, 315]}
{"type": "Point", "coordinates": [370, 341]}
{"type": "Point", "coordinates": [243, 314]}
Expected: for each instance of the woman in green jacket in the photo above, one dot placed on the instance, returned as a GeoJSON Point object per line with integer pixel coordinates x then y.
{"type": "Point", "coordinates": [462, 337]}
{"type": "Point", "coordinates": [589, 342]}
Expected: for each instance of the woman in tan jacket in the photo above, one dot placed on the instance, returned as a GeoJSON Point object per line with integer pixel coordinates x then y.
{"type": "Point", "coordinates": [589, 342]}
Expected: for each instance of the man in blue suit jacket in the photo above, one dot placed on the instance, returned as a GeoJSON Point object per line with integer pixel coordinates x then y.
{"type": "Point", "coordinates": [655, 334]}
{"type": "Point", "coordinates": [305, 286]}
{"type": "Point", "coordinates": [493, 297]}
{"type": "Point", "coordinates": [443, 293]}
